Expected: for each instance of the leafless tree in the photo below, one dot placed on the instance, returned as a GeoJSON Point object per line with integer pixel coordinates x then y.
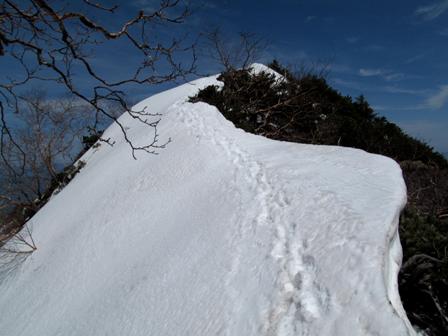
{"type": "Point", "coordinates": [234, 53]}
{"type": "Point", "coordinates": [55, 41]}
{"type": "Point", "coordinates": [49, 131]}
{"type": "Point", "coordinates": [319, 68]}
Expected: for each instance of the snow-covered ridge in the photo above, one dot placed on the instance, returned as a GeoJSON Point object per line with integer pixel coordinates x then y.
{"type": "Point", "coordinates": [223, 233]}
{"type": "Point", "coordinates": [257, 68]}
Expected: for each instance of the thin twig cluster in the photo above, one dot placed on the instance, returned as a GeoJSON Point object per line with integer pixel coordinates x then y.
{"type": "Point", "coordinates": [50, 42]}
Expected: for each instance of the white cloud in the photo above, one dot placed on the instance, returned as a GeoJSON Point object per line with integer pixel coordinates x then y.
{"type": "Point", "coordinates": [352, 39]}
{"type": "Point", "coordinates": [419, 107]}
{"type": "Point", "coordinates": [434, 102]}
{"type": "Point", "coordinates": [414, 59]}
{"type": "Point", "coordinates": [371, 72]}
{"type": "Point", "coordinates": [439, 99]}
{"type": "Point", "coordinates": [310, 18]}
{"type": "Point", "coordinates": [433, 11]}
{"type": "Point", "coordinates": [387, 75]}
{"type": "Point", "coordinates": [396, 89]}
{"type": "Point", "coordinates": [394, 77]}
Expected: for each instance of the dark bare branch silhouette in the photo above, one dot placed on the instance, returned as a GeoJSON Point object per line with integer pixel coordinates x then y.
{"type": "Point", "coordinates": [234, 54]}
{"type": "Point", "coordinates": [47, 41]}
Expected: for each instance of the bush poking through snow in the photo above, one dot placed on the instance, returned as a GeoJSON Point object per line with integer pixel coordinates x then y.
{"type": "Point", "coordinates": [306, 109]}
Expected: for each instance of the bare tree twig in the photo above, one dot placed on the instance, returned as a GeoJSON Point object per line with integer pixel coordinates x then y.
{"type": "Point", "coordinates": [50, 43]}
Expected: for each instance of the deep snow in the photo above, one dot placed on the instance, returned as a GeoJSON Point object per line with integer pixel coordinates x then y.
{"type": "Point", "coordinates": [223, 233]}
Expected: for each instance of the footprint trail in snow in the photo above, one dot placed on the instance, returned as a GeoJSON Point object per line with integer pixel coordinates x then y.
{"type": "Point", "coordinates": [224, 233]}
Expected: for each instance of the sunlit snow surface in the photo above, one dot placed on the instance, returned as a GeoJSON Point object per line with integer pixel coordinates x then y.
{"type": "Point", "coordinates": [223, 233]}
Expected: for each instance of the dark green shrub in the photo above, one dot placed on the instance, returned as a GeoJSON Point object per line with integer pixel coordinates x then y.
{"type": "Point", "coordinates": [424, 275]}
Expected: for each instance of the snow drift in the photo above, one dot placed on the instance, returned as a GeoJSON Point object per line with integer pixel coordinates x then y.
{"type": "Point", "coordinates": [223, 233]}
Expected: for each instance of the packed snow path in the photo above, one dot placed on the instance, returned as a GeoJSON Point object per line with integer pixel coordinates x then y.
{"type": "Point", "coordinates": [223, 233]}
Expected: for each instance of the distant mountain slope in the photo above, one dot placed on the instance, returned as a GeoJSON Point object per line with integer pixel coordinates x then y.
{"type": "Point", "coordinates": [223, 233]}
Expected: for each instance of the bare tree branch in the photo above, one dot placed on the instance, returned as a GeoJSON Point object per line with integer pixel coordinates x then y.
{"type": "Point", "coordinates": [50, 43]}
{"type": "Point", "coordinates": [234, 54]}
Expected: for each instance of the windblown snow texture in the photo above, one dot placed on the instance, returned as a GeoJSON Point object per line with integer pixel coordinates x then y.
{"type": "Point", "coordinates": [223, 233]}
